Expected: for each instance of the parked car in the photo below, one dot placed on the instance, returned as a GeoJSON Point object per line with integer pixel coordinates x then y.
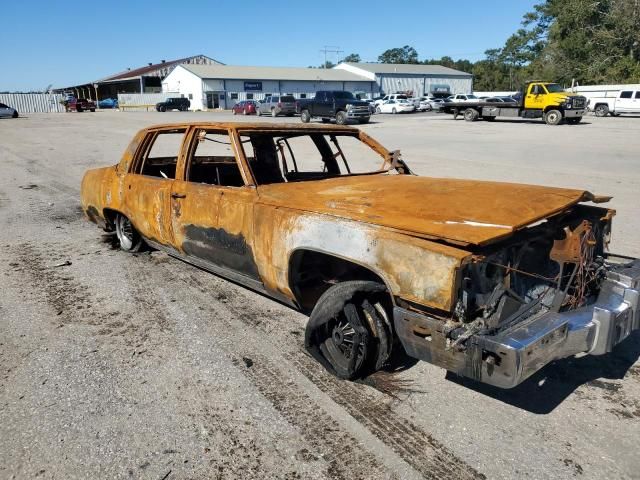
{"type": "Point", "coordinates": [80, 105]}
{"type": "Point", "coordinates": [399, 105]}
{"type": "Point", "coordinates": [464, 98]}
{"type": "Point", "coordinates": [393, 96]}
{"type": "Point", "coordinates": [108, 103]}
{"type": "Point", "coordinates": [275, 105]}
{"type": "Point", "coordinates": [245, 107]}
{"type": "Point", "coordinates": [627, 101]}
{"type": "Point", "coordinates": [334, 104]}
{"type": "Point", "coordinates": [425, 104]}
{"type": "Point", "coordinates": [473, 276]}
{"type": "Point", "coordinates": [8, 112]}
{"type": "Point", "coordinates": [174, 103]}
{"type": "Point", "coordinates": [508, 99]}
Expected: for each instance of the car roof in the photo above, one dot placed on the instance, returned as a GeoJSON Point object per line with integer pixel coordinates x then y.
{"type": "Point", "coordinates": [258, 126]}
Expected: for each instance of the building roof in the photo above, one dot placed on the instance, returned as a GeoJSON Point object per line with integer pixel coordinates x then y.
{"type": "Point", "coordinates": [234, 72]}
{"type": "Point", "coordinates": [150, 69]}
{"type": "Point", "coordinates": [406, 68]}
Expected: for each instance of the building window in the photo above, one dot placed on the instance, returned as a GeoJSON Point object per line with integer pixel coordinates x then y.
{"type": "Point", "coordinates": [191, 96]}
{"type": "Point", "coordinates": [303, 95]}
{"type": "Point", "coordinates": [249, 96]}
{"type": "Point", "coordinates": [234, 96]}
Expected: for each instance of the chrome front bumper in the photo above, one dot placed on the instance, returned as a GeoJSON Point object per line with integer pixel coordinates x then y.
{"type": "Point", "coordinates": [513, 355]}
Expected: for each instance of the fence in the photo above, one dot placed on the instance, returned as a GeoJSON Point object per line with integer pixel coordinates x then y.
{"type": "Point", "coordinates": [142, 100]}
{"type": "Point", "coordinates": [33, 102]}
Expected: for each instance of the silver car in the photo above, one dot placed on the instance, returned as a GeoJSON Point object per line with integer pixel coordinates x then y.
{"type": "Point", "coordinates": [7, 111]}
{"type": "Point", "coordinates": [275, 105]}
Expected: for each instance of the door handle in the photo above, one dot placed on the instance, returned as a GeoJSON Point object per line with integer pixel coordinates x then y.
{"type": "Point", "coordinates": [178, 195]}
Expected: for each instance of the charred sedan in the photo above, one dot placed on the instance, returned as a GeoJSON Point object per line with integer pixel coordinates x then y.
{"type": "Point", "coordinates": [488, 280]}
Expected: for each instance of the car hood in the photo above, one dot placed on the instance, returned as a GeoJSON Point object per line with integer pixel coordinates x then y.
{"type": "Point", "coordinates": [465, 212]}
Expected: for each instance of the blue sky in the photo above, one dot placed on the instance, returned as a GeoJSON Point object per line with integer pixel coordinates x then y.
{"type": "Point", "coordinates": [63, 43]}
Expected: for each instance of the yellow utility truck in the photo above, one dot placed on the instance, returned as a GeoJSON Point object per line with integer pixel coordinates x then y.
{"type": "Point", "coordinates": [536, 100]}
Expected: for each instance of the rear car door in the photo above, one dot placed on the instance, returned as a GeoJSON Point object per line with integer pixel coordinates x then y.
{"type": "Point", "coordinates": [636, 102]}
{"type": "Point", "coordinates": [624, 103]}
{"type": "Point", "coordinates": [148, 184]}
{"type": "Point", "coordinates": [212, 206]}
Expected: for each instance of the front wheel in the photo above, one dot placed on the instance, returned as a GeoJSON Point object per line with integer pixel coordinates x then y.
{"type": "Point", "coordinates": [163, 109]}
{"type": "Point", "coordinates": [394, 111]}
{"type": "Point", "coordinates": [258, 112]}
{"type": "Point", "coordinates": [341, 118]}
{"type": "Point", "coordinates": [305, 116]}
{"type": "Point", "coordinates": [15, 114]}
{"type": "Point", "coordinates": [349, 331]}
{"type": "Point", "coordinates": [129, 238]}
{"type": "Point", "coordinates": [601, 110]}
{"type": "Point", "coordinates": [553, 117]}
{"type": "Point", "coordinates": [378, 110]}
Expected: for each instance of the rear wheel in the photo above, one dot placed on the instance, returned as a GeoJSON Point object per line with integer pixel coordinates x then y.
{"type": "Point", "coordinates": [163, 108]}
{"type": "Point", "coordinates": [273, 112]}
{"type": "Point", "coordinates": [305, 116]}
{"type": "Point", "coordinates": [601, 110]}
{"type": "Point", "coordinates": [129, 238]}
{"type": "Point", "coordinates": [15, 114]}
{"type": "Point", "coordinates": [471, 114]}
{"type": "Point", "coordinates": [341, 118]}
{"type": "Point", "coordinates": [349, 331]}
{"type": "Point", "coordinates": [553, 117]}
{"type": "Point", "coordinates": [378, 109]}
{"type": "Point", "coordinates": [394, 111]}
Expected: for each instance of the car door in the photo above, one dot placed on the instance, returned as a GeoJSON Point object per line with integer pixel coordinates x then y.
{"type": "Point", "coordinates": [212, 206]}
{"type": "Point", "coordinates": [536, 97]}
{"type": "Point", "coordinates": [636, 102]}
{"type": "Point", "coordinates": [148, 184]}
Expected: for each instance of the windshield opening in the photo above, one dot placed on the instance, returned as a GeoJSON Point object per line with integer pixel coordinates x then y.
{"type": "Point", "coordinates": [344, 95]}
{"type": "Point", "coordinates": [554, 88]}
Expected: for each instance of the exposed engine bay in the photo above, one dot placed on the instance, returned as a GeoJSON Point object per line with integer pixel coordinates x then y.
{"type": "Point", "coordinates": [555, 265]}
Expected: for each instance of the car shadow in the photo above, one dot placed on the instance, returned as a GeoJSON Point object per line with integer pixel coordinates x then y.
{"type": "Point", "coordinates": [549, 387]}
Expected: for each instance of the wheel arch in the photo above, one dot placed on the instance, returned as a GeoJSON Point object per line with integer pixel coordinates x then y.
{"type": "Point", "coordinates": [302, 259]}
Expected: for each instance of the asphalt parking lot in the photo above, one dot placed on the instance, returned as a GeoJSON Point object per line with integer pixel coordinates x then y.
{"type": "Point", "coordinates": [141, 366]}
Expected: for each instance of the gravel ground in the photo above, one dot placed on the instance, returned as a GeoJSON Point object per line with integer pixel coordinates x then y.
{"type": "Point", "coordinates": [141, 366]}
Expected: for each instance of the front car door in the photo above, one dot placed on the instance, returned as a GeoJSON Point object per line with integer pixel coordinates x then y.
{"type": "Point", "coordinates": [148, 183]}
{"type": "Point", "coordinates": [212, 206]}
{"type": "Point", "coordinates": [536, 97]}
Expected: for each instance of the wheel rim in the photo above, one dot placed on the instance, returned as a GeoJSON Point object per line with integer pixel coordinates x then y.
{"type": "Point", "coordinates": [393, 111]}
{"type": "Point", "coordinates": [600, 112]}
{"type": "Point", "coordinates": [125, 233]}
{"type": "Point", "coordinates": [340, 341]}
{"type": "Point", "coordinates": [552, 117]}
{"type": "Point", "coordinates": [378, 110]}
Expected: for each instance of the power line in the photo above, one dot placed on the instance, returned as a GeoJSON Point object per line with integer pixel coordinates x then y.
{"type": "Point", "coordinates": [330, 49]}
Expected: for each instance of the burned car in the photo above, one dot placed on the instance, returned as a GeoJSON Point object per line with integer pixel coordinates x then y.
{"type": "Point", "coordinates": [488, 280]}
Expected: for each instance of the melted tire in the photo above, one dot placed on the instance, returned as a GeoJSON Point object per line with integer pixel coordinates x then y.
{"type": "Point", "coordinates": [347, 332]}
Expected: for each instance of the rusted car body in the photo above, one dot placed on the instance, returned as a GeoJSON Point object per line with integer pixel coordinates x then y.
{"type": "Point", "coordinates": [488, 280]}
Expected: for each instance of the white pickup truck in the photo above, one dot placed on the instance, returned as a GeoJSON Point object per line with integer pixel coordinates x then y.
{"type": "Point", "coordinates": [627, 101]}
{"type": "Point", "coordinates": [464, 98]}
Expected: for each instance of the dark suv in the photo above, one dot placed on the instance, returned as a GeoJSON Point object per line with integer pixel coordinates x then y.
{"type": "Point", "coordinates": [181, 104]}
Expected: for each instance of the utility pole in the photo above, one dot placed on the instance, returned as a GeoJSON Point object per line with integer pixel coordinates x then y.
{"type": "Point", "coordinates": [330, 49]}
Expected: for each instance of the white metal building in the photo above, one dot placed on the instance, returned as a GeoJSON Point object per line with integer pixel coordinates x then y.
{"type": "Point", "coordinates": [221, 86]}
{"type": "Point", "coordinates": [419, 79]}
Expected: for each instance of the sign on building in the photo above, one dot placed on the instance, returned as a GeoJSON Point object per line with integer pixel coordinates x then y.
{"type": "Point", "coordinates": [252, 86]}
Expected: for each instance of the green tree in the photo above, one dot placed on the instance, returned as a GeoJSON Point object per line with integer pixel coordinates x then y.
{"type": "Point", "coordinates": [405, 54]}
{"type": "Point", "coordinates": [352, 57]}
